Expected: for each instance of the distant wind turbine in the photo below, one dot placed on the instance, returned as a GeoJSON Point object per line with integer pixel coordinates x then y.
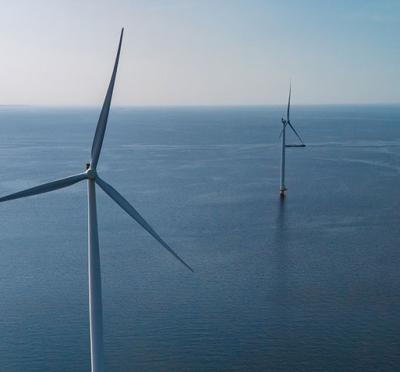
{"type": "Point", "coordinates": [286, 122]}
{"type": "Point", "coordinates": [95, 300]}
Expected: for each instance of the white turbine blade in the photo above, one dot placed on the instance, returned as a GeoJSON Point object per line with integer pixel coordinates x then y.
{"type": "Point", "coordinates": [288, 106]}
{"type": "Point", "coordinates": [128, 208]}
{"type": "Point", "coordinates": [294, 131]}
{"type": "Point", "coordinates": [46, 187]}
{"type": "Point", "coordinates": [102, 123]}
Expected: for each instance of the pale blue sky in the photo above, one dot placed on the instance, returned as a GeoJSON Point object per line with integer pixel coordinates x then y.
{"type": "Point", "coordinates": [175, 52]}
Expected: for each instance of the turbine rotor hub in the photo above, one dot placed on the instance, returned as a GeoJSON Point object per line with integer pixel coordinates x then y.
{"type": "Point", "coordinates": [91, 173]}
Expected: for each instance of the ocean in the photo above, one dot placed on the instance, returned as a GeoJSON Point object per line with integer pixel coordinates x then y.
{"type": "Point", "coordinates": [308, 284]}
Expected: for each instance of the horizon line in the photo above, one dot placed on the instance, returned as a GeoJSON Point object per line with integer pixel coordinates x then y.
{"type": "Point", "coordinates": [226, 105]}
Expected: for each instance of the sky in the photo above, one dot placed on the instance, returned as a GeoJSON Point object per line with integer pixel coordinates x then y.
{"type": "Point", "coordinates": [200, 52]}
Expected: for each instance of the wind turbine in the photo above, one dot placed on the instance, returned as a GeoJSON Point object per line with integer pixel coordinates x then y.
{"type": "Point", "coordinates": [285, 123]}
{"type": "Point", "coordinates": [95, 299]}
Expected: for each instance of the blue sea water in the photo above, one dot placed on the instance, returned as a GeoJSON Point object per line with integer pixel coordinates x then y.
{"type": "Point", "coordinates": [311, 284]}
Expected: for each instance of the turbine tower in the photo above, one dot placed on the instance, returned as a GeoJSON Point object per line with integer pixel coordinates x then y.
{"type": "Point", "coordinates": [95, 299]}
{"type": "Point", "coordinates": [285, 122]}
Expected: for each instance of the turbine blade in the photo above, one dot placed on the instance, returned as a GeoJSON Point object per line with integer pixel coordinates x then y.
{"type": "Point", "coordinates": [294, 131]}
{"type": "Point", "coordinates": [102, 123]}
{"type": "Point", "coordinates": [128, 208]}
{"type": "Point", "coordinates": [46, 187]}
{"type": "Point", "coordinates": [288, 106]}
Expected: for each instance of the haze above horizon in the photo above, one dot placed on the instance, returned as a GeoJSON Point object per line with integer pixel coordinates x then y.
{"type": "Point", "coordinates": [189, 53]}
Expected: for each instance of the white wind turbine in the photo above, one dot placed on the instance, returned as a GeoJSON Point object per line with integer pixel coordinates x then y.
{"type": "Point", "coordinates": [95, 300]}
{"type": "Point", "coordinates": [286, 122]}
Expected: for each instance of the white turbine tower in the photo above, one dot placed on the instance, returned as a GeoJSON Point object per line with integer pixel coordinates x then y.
{"type": "Point", "coordinates": [286, 122]}
{"type": "Point", "coordinates": [95, 300]}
